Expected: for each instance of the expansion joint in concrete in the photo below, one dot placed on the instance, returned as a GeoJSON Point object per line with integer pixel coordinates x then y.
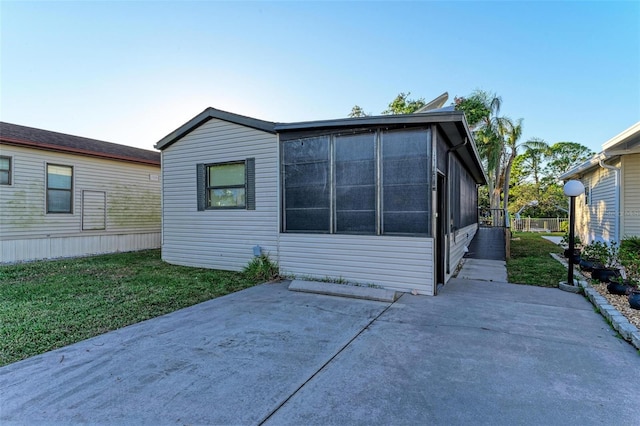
{"type": "Point", "coordinates": [275, 410]}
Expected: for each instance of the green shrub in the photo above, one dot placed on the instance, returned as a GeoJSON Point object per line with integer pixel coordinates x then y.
{"type": "Point", "coordinates": [564, 226]}
{"type": "Point", "coordinates": [630, 259]}
{"type": "Point", "coordinates": [630, 244]}
{"type": "Point", "coordinates": [261, 268]}
{"type": "Point", "coordinates": [607, 254]}
{"type": "Point", "coordinates": [576, 239]}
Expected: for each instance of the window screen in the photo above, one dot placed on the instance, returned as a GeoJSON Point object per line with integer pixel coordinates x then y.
{"type": "Point", "coordinates": [307, 186]}
{"type": "Point", "coordinates": [464, 198]}
{"type": "Point", "coordinates": [406, 168]}
{"type": "Point", "coordinates": [355, 164]}
{"type": "Point", "coordinates": [333, 184]}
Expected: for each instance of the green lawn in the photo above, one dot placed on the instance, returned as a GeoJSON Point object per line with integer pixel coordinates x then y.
{"type": "Point", "coordinates": [530, 262]}
{"type": "Point", "coordinates": [49, 304]}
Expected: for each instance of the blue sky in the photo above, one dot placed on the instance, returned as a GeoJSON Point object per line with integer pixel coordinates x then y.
{"type": "Point", "coordinates": [131, 72]}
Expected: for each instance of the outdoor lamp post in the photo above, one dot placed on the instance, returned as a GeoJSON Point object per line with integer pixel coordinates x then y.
{"type": "Point", "coordinates": [572, 189]}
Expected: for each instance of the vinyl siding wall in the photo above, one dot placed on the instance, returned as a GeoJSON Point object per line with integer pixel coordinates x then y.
{"type": "Point", "coordinates": [400, 263]}
{"type": "Point", "coordinates": [218, 239]}
{"type": "Point", "coordinates": [461, 239]}
{"type": "Point", "coordinates": [131, 194]}
{"type": "Point", "coordinates": [630, 196]}
{"type": "Point", "coordinates": [597, 221]}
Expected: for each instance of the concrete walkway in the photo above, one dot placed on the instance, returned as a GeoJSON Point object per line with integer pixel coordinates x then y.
{"type": "Point", "coordinates": [483, 270]}
{"type": "Point", "coordinates": [479, 353]}
{"type": "Point", "coordinates": [488, 243]}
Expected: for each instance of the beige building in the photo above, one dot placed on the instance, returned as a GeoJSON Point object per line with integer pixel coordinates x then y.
{"type": "Point", "coordinates": [609, 209]}
{"type": "Point", "coordinates": [64, 196]}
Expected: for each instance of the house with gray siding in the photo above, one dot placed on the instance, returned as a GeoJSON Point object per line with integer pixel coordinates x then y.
{"type": "Point", "coordinates": [609, 209]}
{"type": "Point", "coordinates": [65, 196]}
{"type": "Point", "coordinates": [388, 200]}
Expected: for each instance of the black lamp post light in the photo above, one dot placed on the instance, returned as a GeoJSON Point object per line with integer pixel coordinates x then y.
{"type": "Point", "coordinates": [572, 189]}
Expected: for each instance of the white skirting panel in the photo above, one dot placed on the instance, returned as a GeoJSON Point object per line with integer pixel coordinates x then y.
{"type": "Point", "coordinates": [58, 247]}
{"type": "Point", "coordinates": [397, 263]}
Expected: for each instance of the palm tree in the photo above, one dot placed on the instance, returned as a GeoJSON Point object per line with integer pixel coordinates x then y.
{"type": "Point", "coordinates": [489, 133]}
{"type": "Point", "coordinates": [513, 132]}
{"type": "Point", "coordinates": [536, 150]}
{"type": "Point", "coordinates": [497, 141]}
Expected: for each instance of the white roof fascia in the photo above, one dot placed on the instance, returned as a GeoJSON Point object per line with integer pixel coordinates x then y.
{"type": "Point", "coordinates": [612, 148]}
{"type": "Point", "coordinates": [621, 138]}
{"type": "Point", "coordinates": [589, 164]}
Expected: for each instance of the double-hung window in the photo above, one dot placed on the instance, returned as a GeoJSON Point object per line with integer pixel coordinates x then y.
{"type": "Point", "coordinates": [228, 185]}
{"type": "Point", "coordinates": [59, 189]}
{"type": "Point", "coordinates": [5, 170]}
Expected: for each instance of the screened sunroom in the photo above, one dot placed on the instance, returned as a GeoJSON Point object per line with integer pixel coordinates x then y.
{"type": "Point", "coordinates": [378, 198]}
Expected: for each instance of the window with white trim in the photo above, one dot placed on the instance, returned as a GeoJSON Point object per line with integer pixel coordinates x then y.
{"type": "Point", "coordinates": [5, 170]}
{"type": "Point", "coordinates": [59, 188]}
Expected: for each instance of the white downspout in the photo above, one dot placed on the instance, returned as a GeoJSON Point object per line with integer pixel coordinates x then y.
{"type": "Point", "coordinates": [616, 172]}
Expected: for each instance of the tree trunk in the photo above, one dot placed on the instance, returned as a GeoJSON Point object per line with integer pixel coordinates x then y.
{"type": "Point", "coordinates": [495, 206]}
{"type": "Point", "coordinates": [507, 178]}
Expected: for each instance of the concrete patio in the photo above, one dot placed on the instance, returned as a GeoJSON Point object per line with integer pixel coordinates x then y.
{"type": "Point", "coordinates": [479, 353]}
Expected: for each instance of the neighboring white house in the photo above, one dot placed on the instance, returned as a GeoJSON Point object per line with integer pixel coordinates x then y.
{"type": "Point", "coordinates": [388, 200]}
{"type": "Point", "coordinates": [63, 196]}
{"type": "Point", "coordinates": [609, 210]}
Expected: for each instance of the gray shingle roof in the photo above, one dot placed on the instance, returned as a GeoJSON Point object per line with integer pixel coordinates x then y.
{"type": "Point", "coordinates": [14, 134]}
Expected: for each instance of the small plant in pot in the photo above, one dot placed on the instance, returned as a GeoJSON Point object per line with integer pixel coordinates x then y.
{"type": "Point", "coordinates": [630, 260]}
{"type": "Point", "coordinates": [576, 250]}
{"type": "Point", "coordinates": [605, 262]}
{"type": "Point", "coordinates": [634, 298]}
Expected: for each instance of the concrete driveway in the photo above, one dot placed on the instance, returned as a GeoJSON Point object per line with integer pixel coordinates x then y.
{"type": "Point", "coordinates": [479, 353]}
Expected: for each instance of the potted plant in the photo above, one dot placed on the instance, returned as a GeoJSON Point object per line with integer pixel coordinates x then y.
{"type": "Point", "coordinates": [630, 260]}
{"type": "Point", "coordinates": [576, 250]}
{"type": "Point", "coordinates": [605, 262]}
{"type": "Point", "coordinates": [634, 298]}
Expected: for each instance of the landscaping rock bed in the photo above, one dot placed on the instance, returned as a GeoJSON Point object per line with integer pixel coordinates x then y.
{"type": "Point", "coordinates": [621, 303]}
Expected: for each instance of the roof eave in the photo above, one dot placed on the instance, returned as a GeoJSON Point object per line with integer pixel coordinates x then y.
{"type": "Point", "coordinates": [77, 151]}
{"type": "Point", "coordinates": [620, 139]}
{"type": "Point", "coordinates": [207, 115]}
{"type": "Point", "coordinates": [474, 150]}
{"type": "Point", "coordinates": [582, 168]}
{"type": "Point", "coordinates": [418, 118]}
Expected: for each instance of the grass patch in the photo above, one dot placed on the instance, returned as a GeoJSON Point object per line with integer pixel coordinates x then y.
{"type": "Point", "coordinates": [49, 304]}
{"type": "Point", "coordinates": [530, 262]}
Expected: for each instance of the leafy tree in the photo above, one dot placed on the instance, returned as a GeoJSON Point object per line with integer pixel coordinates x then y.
{"type": "Point", "coordinates": [474, 107]}
{"type": "Point", "coordinates": [357, 111]}
{"type": "Point", "coordinates": [564, 156]}
{"type": "Point", "coordinates": [520, 171]}
{"type": "Point", "coordinates": [551, 200]}
{"type": "Point", "coordinates": [403, 105]}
